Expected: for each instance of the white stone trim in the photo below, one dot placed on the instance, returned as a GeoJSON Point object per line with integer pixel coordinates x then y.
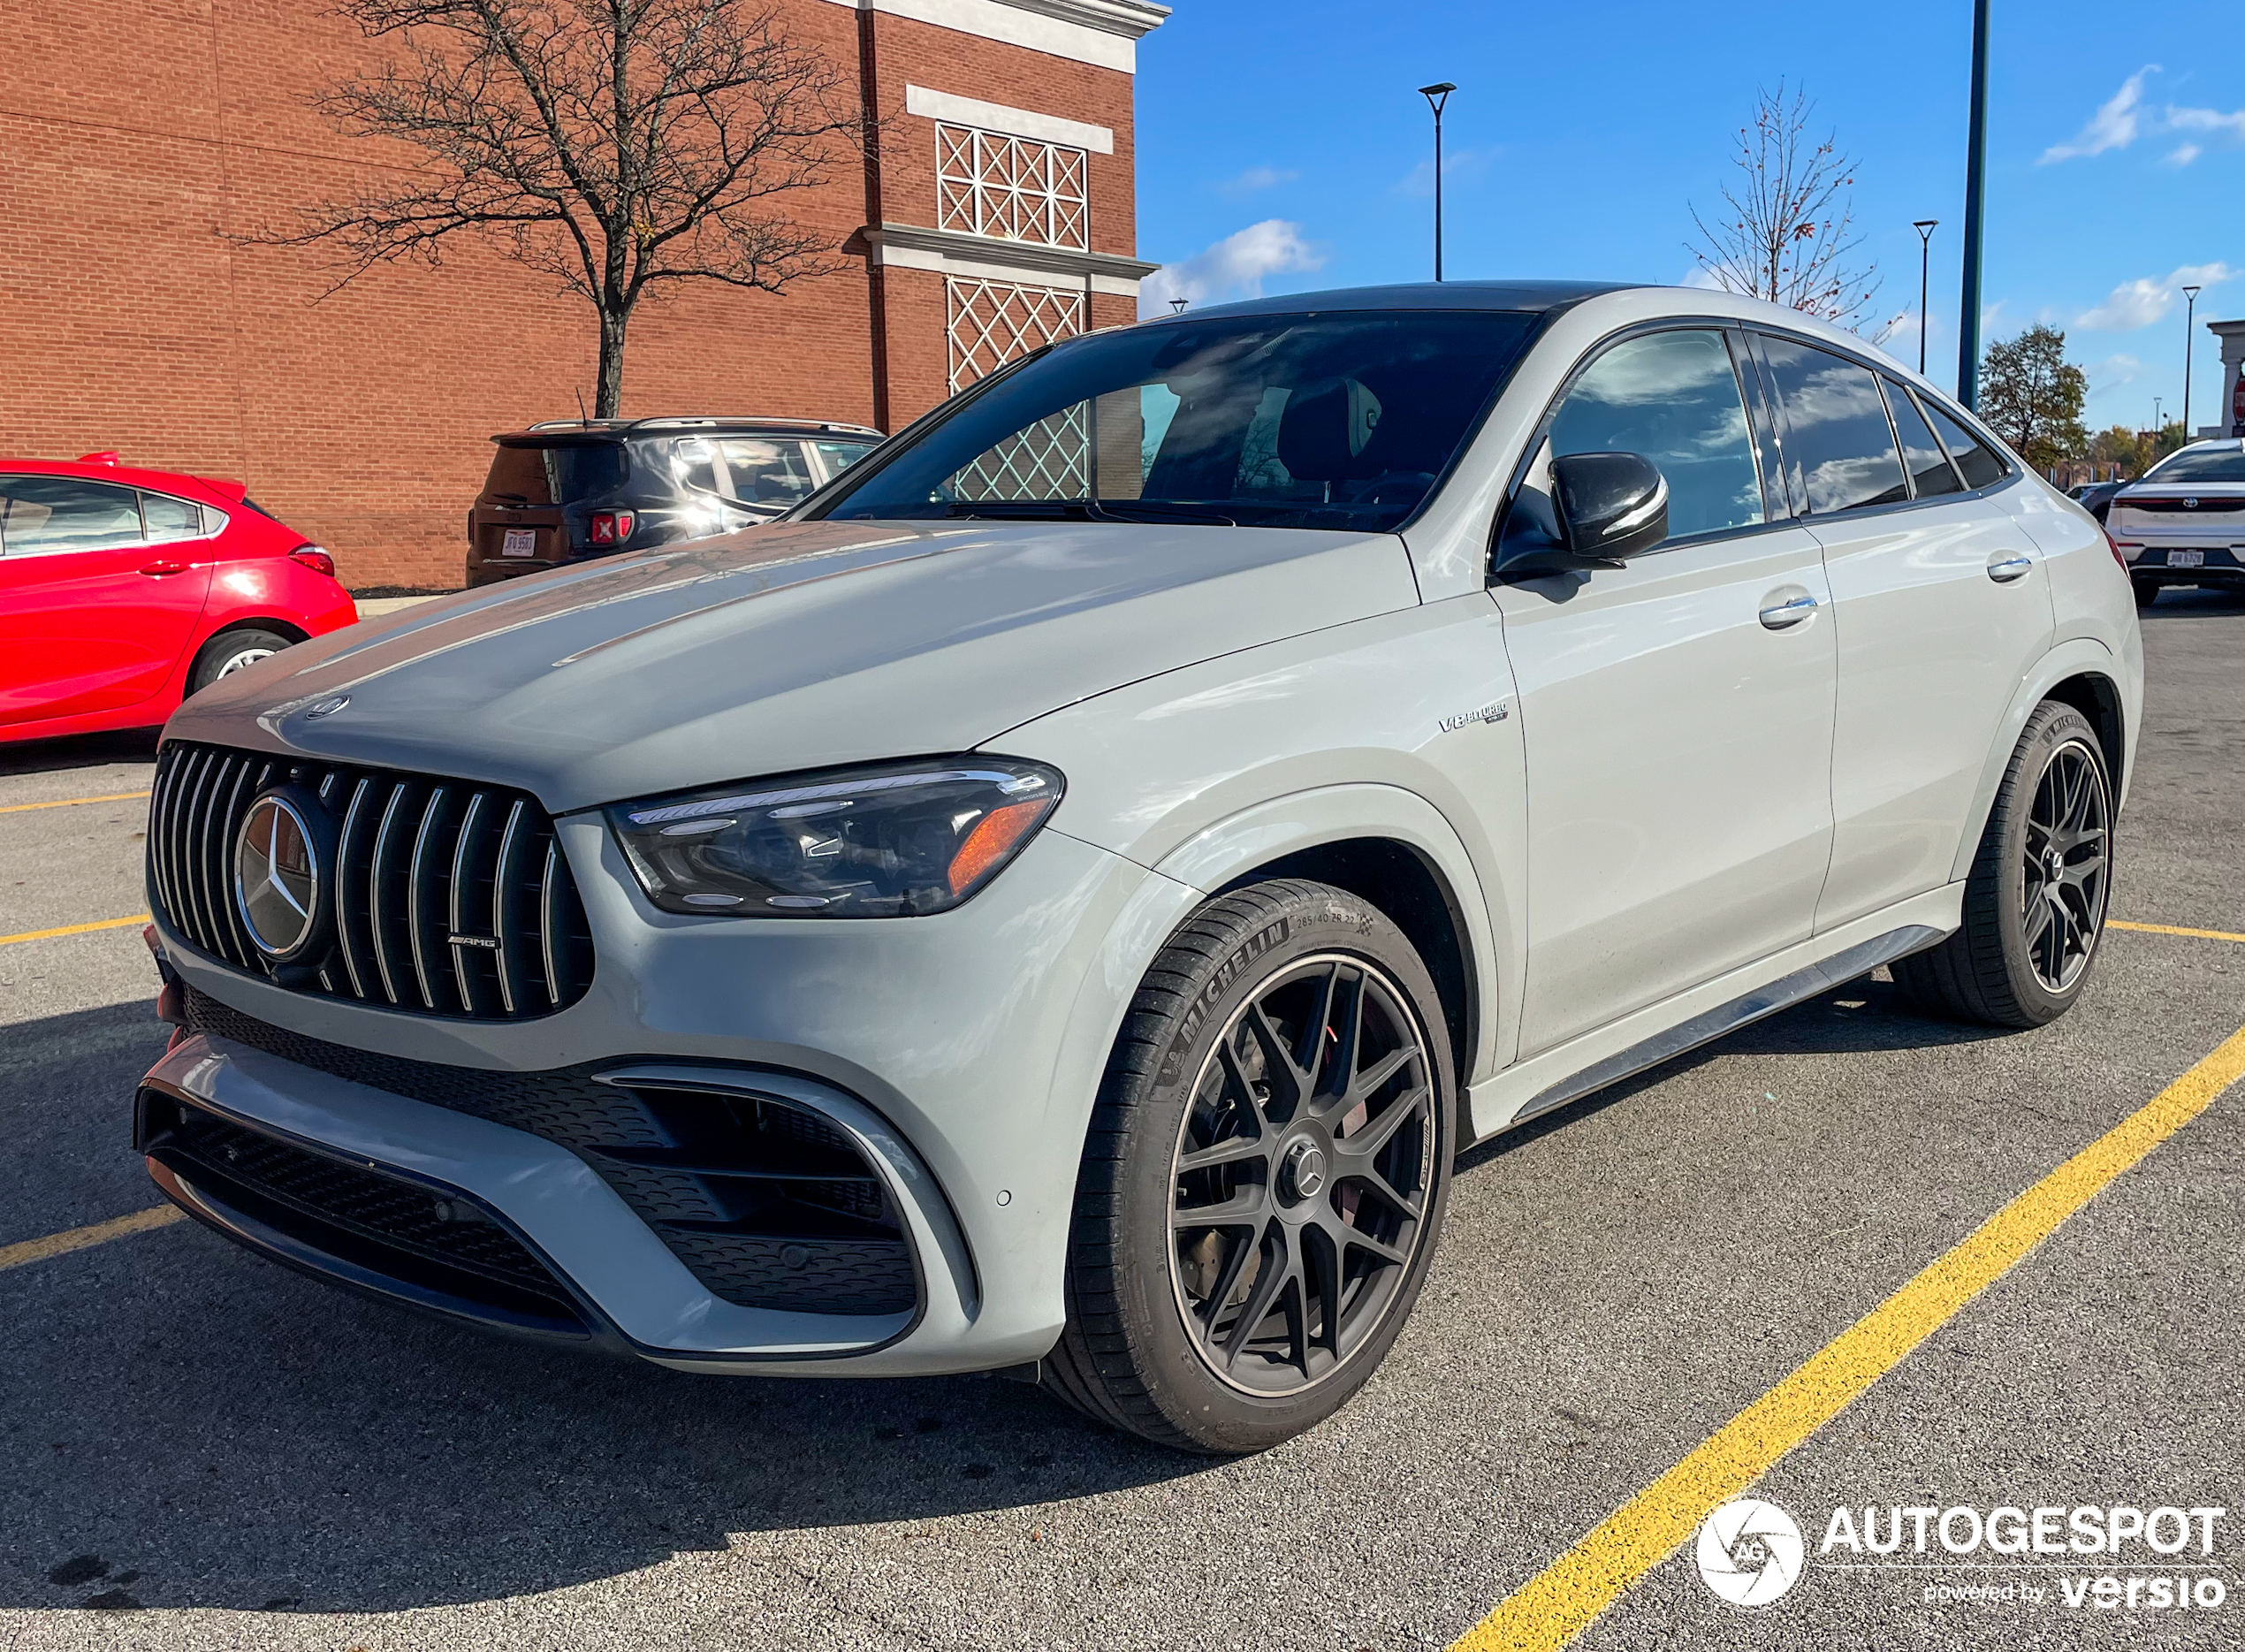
{"type": "Point", "coordinates": [1013, 123]}
{"type": "Point", "coordinates": [985, 258]}
{"type": "Point", "coordinates": [1102, 33]}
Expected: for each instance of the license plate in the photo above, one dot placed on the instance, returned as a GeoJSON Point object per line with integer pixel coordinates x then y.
{"type": "Point", "coordinates": [520, 542]}
{"type": "Point", "coordinates": [2186, 559]}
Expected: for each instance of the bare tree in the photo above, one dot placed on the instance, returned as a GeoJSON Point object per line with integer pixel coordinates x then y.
{"type": "Point", "coordinates": [1786, 233]}
{"type": "Point", "coordinates": [621, 146]}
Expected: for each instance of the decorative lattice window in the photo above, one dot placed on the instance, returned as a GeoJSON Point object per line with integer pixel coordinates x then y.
{"type": "Point", "coordinates": [991, 322]}
{"type": "Point", "coordinates": [1014, 189]}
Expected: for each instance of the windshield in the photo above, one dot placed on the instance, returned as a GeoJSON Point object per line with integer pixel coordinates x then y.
{"type": "Point", "coordinates": [1342, 420]}
{"type": "Point", "coordinates": [2218, 464]}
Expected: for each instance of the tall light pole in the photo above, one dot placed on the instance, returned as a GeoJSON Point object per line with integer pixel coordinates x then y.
{"type": "Point", "coordinates": [1925, 228]}
{"type": "Point", "coordinates": [2189, 330]}
{"type": "Point", "coordinates": [1976, 187]}
{"type": "Point", "coordinates": [1436, 96]}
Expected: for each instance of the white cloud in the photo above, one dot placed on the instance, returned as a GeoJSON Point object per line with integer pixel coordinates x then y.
{"type": "Point", "coordinates": [2207, 120]}
{"type": "Point", "coordinates": [2140, 302]}
{"type": "Point", "coordinates": [1253, 180]}
{"type": "Point", "coordinates": [1235, 267]}
{"type": "Point", "coordinates": [1700, 276]}
{"type": "Point", "coordinates": [1459, 166]}
{"type": "Point", "coordinates": [2183, 153]}
{"type": "Point", "coordinates": [2115, 126]}
{"type": "Point", "coordinates": [2115, 371]}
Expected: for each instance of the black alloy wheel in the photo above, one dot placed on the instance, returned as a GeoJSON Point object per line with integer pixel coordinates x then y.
{"type": "Point", "coordinates": [1265, 1174]}
{"type": "Point", "coordinates": [2068, 842]}
{"type": "Point", "coordinates": [1301, 1175]}
{"type": "Point", "coordinates": [2035, 900]}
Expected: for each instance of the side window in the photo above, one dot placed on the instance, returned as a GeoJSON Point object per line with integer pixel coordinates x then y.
{"type": "Point", "coordinates": [840, 456]}
{"type": "Point", "coordinates": [1839, 449]}
{"type": "Point", "coordinates": [1922, 454]}
{"type": "Point", "coordinates": [767, 472]}
{"type": "Point", "coordinates": [39, 515]}
{"type": "Point", "coordinates": [1980, 468]}
{"type": "Point", "coordinates": [166, 518]}
{"type": "Point", "coordinates": [1672, 398]}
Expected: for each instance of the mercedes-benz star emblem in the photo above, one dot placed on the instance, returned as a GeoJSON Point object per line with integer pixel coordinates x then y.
{"type": "Point", "coordinates": [277, 877]}
{"type": "Point", "coordinates": [328, 707]}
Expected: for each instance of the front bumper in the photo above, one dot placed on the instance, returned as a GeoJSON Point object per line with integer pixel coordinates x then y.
{"type": "Point", "coordinates": [960, 1052]}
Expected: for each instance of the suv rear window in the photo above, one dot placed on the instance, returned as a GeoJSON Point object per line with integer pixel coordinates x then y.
{"type": "Point", "coordinates": [560, 474]}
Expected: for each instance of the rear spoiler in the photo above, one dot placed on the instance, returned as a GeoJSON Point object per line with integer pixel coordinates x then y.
{"type": "Point", "coordinates": [226, 485]}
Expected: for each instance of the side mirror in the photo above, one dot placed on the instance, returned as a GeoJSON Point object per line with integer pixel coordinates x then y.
{"type": "Point", "coordinates": [1609, 506]}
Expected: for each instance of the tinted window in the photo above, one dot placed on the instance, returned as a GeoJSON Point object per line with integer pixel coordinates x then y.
{"type": "Point", "coordinates": [763, 471]}
{"type": "Point", "coordinates": [840, 456]}
{"type": "Point", "coordinates": [518, 474]}
{"type": "Point", "coordinates": [1978, 466]}
{"type": "Point", "coordinates": [2216, 464]}
{"type": "Point", "coordinates": [44, 513]}
{"type": "Point", "coordinates": [167, 518]}
{"type": "Point", "coordinates": [1922, 454]}
{"type": "Point", "coordinates": [1673, 398]}
{"type": "Point", "coordinates": [1839, 449]}
{"type": "Point", "coordinates": [584, 471]}
{"type": "Point", "coordinates": [1341, 420]}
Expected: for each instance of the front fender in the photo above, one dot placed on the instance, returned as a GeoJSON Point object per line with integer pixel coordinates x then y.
{"type": "Point", "coordinates": [2080, 657]}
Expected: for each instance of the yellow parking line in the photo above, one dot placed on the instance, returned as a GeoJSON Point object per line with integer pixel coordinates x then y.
{"type": "Point", "coordinates": [65, 803]}
{"type": "Point", "coordinates": [75, 929]}
{"type": "Point", "coordinates": [80, 1239]}
{"type": "Point", "coordinates": [1560, 1601]}
{"type": "Point", "coordinates": [2169, 929]}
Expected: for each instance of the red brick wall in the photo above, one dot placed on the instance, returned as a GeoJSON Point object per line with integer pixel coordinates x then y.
{"type": "Point", "coordinates": [139, 142]}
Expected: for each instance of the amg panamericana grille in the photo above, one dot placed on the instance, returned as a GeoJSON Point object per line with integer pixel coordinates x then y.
{"type": "Point", "coordinates": [449, 898]}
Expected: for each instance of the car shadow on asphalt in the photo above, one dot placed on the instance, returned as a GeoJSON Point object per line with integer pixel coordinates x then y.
{"type": "Point", "coordinates": [1867, 1013]}
{"type": "Point", "coordinates": [188, 1424]}
{"type": "Point", "coordinates": [78, 751]}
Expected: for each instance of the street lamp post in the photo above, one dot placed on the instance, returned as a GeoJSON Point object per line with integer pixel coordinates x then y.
{"type": "Point", "coordinates": [1975, 186]}
{"type": "Point", "coordinates": [1925, 228]}
{"type": "Point", "coordinates": [1436, 96]}
{"type": "Point", "coordinates": [2189, 328]}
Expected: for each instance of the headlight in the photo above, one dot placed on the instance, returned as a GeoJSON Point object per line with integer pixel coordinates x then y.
{"type": "Point", "coordinates": [899, 841]}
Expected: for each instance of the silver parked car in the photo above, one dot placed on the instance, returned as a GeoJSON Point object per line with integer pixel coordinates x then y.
{"type": "Point", "coordinates": [1060, 900]}
{"type": "Point", "coordinates": [2182, 522]}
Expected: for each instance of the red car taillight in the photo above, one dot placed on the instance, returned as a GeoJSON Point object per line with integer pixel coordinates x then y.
{"type": "Point", "coordinates": [315, 558]}
{"type": "Point", "coordinates": [611, 528]}
{"type": "Point", "coordinates": [2113, 545]}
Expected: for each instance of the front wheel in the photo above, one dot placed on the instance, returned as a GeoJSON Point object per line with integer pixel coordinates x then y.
{"type": "Point", "coordinates": [2035, 901]}
{"type": "Point", "coordinates": [1265, 1173]}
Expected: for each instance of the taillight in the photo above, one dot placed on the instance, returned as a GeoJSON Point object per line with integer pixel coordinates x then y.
{"type": "Point", "coordinates": [2118, 555]}
{"type": "Point", "coordinates": [315, 558]}
{"type": "Point", "coordinates": [611, 528]}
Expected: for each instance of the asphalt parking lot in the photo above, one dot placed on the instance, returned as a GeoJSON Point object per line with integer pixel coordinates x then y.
{"type": "Point", "coordinates": [205, 1450]}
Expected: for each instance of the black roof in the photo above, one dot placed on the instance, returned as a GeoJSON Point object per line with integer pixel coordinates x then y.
{"type": "Point", "coordinates": [554, 432]}
{"type": "Point", "coordinates": [1516, 296]}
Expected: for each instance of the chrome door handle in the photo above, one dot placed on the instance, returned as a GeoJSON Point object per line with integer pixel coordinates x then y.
{"type": "Point", "coordinates": [1793, 610]}
{"type": "Point", "coordinates": [2006, 566]}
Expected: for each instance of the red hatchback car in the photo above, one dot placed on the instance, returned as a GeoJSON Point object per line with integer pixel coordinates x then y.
{"type": "Point", "coordinates": [122, 592]}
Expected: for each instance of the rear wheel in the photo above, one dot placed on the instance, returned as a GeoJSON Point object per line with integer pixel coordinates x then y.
{"type": "Point", "coordinates": [2035, 902]}
{"type": "Point", "coordinates": [2147, 592]}
{"type": "Point", "coordinates": [1265, 1174]}
{"type": "Point", "coordinates": [229, 651]}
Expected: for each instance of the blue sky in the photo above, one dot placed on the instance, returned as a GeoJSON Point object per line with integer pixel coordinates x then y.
{"type": "Point", "coordinates": [1282, 147]}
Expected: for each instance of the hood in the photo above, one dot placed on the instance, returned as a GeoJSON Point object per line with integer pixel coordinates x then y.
{"type": "Point", "coordinates": [789, 647]}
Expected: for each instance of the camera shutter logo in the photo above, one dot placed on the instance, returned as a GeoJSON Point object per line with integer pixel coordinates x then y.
{"type": "Point", "coordinates": [1750, 1552]}
{"type": "Point", "coordinates": [277, 877]}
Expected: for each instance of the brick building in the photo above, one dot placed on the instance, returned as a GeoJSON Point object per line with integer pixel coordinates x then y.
{"type": "Point", "coordinates": [141, 142]}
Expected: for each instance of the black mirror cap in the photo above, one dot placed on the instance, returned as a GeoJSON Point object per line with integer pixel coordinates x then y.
{"type": "Point", "coordinates": [1609, 506]}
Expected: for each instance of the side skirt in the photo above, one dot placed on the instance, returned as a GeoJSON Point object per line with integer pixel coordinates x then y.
{"type": "Point", "coordinates": [1557, 1076]}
